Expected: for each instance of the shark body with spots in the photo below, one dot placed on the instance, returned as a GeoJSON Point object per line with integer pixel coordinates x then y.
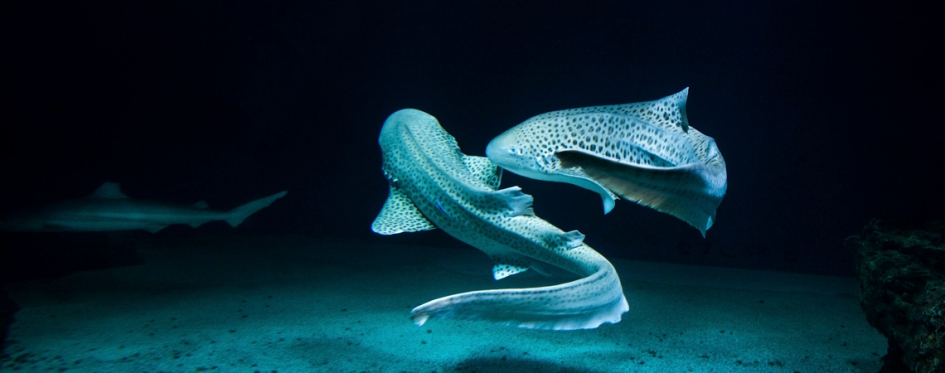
{"type": "Point", "coordinates": [433, 184]}
{"type": "Point", "coordinates": [645, 152]}
{"type": "Point", "coordinates": [108, 209]}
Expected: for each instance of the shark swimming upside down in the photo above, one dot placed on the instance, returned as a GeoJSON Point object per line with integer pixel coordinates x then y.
{"type": "Point", "coordinates": [433, 184]}
{"type": "Point", "coordinates": [645, 152]}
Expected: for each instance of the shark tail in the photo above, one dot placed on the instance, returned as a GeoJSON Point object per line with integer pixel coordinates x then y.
{"type": "Point", "coordinates": [585, 303]}
{"type": "Point", "coordinates": [238, 214]}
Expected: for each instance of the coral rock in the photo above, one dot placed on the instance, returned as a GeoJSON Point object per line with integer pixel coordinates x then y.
{"type": "Point", "coordinates": [901, 272]}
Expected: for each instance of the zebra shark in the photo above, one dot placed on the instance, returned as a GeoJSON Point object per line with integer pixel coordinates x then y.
{"type": "Point", "coordinates": [433, 184]}
{"type": "Point", "coordinates": [645, 152]}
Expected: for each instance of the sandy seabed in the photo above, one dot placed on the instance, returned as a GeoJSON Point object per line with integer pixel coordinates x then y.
{"type": "Point", "coordinates": [295, 304]}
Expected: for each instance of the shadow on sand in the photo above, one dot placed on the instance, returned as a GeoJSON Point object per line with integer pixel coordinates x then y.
{"type": "Point", "coordinates": [503, 364]}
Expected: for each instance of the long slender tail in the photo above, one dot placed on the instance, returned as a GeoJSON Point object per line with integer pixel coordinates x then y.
{"type": "Point", "coordinates": [585, 303]}
{"type": "Point", "coordinates": [240, 213]}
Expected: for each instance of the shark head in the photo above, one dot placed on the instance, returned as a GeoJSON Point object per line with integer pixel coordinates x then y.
{"type": "Point", "coordinates": [645, 152]}
{"type": "Point", "coordinates": [515, 152]}
{"type": "Point", "coordinates": [520, 151]}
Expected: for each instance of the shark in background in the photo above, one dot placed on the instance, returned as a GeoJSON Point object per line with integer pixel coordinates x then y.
{"type": "Point", "coordinates": [645, 152]}
{"type": "Point", "coordinates": [108, 209]}
{"type": "Point", "coordinates": [433, 184]}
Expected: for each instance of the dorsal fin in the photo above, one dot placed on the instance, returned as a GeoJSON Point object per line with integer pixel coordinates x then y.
{"type": "Point", "coordinates": [667, 112]}
{"type": "Point", "coordinates": [201, 204]}
{"type": "Point", "coordinates": [513, 201]}
{"type": "Point", "coordinates": [109, 191]}
{"type": "Point", "coordinates": [485, 170]}
{"type": "Point", "coordinates": [573, 239]}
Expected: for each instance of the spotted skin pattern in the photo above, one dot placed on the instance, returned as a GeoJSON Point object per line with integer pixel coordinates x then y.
{"type": "Point", "coordinates": [458, 193]}
{"type": "Point", "coordinates": [645, 152]}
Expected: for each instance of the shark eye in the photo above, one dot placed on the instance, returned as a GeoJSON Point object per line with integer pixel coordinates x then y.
{"type": "Point", "coordinates": [516, 151]}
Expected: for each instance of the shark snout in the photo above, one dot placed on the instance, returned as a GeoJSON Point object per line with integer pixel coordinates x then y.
{"type": "Point", "coordinates": [503, 151]}
{"type": "Point", "coordinates": [494, 150]}
{"type": "Point", "coordinates": [507, 152]}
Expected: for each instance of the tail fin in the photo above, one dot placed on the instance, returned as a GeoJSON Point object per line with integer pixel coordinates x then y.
{"type": "Point", "coordinates": [237, 215]}
{"type": "Point", "coordinates": [585, 303]}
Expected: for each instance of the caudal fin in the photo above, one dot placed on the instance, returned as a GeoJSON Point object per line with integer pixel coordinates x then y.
{"type": "Point", "coordinates": [237, 215]}
{"type": "Point", "coordinates": [585, 303]}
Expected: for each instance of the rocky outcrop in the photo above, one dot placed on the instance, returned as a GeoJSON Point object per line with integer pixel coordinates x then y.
{"type": "Point", "coordinates": [901, 272]}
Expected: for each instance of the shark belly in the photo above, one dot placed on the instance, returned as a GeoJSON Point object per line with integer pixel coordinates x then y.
{"type": "Point", "coordinates": [97, 224]}
{"type": "Point", "coordinates": [123, 214]}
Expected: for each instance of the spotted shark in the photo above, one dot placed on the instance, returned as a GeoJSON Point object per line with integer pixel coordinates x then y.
{"type": "Point", "coordinates": [108, 209]}
{"type": "Point", "coordinates": [433, 184]}
{"type": "Point", "coordinates": [645, 152]}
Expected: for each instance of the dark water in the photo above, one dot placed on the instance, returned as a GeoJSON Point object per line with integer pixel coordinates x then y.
{"type": "Point", "coordinates": [825, 113]}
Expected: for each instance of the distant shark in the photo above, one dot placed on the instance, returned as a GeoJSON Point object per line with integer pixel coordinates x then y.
{"type": "Point", "coordinates": [433, 184]}
{"type": "Point", "coordinates": [108, 209]}
{"type": "Point", "coordinates": [645, 152]}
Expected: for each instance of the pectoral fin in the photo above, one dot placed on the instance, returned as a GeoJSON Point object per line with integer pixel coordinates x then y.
{"type": "Point", "coordinates": [399, 215]}
{"type": "Point", "coordinates": [682, 191]}
{"type": "Point", "coordinates": [485, 170]}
